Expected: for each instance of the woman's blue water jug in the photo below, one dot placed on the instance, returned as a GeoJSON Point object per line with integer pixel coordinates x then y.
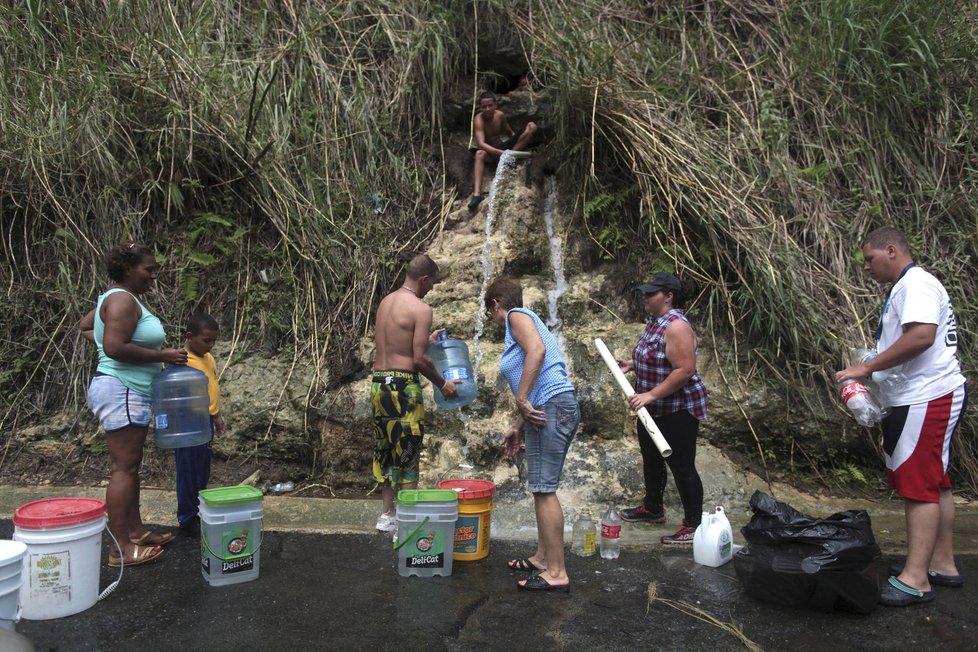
{"type": "Point", "coordinates": [181, 407]}
{"type": "Point", "coordinates": [451, 359]}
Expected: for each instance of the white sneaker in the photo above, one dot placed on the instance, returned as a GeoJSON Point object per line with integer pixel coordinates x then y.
{"type": "Point", "coordinates": [387, 523]}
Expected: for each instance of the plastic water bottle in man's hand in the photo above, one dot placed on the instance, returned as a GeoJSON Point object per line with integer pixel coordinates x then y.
{"type": "Point", "coordinates": [864, 406]}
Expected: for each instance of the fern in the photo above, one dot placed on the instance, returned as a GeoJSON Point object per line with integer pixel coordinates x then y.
{"type": "Point", "coordinates": [189, 285]}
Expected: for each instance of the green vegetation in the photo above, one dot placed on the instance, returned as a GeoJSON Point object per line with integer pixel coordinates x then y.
{"type": "Point", "coordinates": [747, 145]}
{"type": "Point", "coordinates": [767, 138]}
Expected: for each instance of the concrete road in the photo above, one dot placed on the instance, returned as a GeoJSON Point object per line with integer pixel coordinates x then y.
{"type": "Point", "coordinates": [341, 591]}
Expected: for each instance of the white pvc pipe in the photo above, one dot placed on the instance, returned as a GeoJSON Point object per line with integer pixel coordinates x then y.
{"type": "Point", "coordinates": [643, 414]}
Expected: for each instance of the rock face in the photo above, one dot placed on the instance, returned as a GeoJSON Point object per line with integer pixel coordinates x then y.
{"type": "Point", "coordinates": [277, 414]}
{"type": "Point", "coordinates": [278, 410]}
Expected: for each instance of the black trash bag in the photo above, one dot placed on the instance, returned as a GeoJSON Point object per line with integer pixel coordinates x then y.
{"type": "Point", "coordinates": [797, 560]}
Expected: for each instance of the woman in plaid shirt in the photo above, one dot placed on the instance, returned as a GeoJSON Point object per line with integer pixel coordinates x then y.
{"type": "Point", "coordinates": [664, 362]}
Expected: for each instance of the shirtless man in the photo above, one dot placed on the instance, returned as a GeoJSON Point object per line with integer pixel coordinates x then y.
{"type": "Point", "coordinates": [402, 336]}
{"type": "Point", "coordinates": [489, 125]}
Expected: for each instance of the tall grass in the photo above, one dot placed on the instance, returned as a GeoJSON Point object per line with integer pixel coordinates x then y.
{"type": "Point", "coordinates": [765, 139]}
{"type": "Point", "coordinates": [237, 139]}
{"type": "Point", "coordinates": [747, 145]}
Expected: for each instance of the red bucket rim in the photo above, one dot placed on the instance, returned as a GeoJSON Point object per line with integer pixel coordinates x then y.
{"type": "Point", "coordinates": [58, 512]}
{"type": "Point", "coordinates": [469, 489]}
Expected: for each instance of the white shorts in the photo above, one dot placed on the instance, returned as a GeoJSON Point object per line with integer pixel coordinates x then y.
{"type": "Point", "coordinates": [115, 405]}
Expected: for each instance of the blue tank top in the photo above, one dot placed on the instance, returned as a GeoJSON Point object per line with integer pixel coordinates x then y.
{"type": "Point", "coordinates": [149, 334]}
{"type": "Point", "coordinates": [553, 378]}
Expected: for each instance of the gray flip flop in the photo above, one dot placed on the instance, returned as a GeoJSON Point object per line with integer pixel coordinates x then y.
{"type": "Point", "coordinates": [954, 581]}
{"type": "Point", "coordinates": [897, 594]}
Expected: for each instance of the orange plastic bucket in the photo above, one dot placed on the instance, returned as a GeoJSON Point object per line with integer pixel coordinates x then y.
{"type": "Point", "coordinates": [474, 517]}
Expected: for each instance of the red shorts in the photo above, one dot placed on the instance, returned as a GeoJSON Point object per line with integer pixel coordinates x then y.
{"type": "Point", "coordinates": [917, 443]}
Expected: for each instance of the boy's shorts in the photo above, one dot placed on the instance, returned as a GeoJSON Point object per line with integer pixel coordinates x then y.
{"type": "Point", "coordinates": [509, 143]}
{"type": "Point", "coordinates": [115, 405]}
{"type": "Point", "coordinates": [917, 443]}
{"type": "Point", "coordinates": [398, 407]}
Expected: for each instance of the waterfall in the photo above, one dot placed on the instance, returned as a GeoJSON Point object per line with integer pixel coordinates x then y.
{"type": "Point", "coordinates": [506, 163]}
{"type": "Point", "coordinates": [556, 261]}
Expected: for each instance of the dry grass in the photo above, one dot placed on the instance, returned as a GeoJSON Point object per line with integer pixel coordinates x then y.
{"type": "Point", "coordinates": [746, 145]}
{"type": "Point", "coordinates": [691, 610]}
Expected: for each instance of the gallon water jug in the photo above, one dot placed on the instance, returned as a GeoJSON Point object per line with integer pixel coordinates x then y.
{"type": "Point", "coordinates": [451, 359]}
{"type": "Point", "coordinates": [181, 407]}
{"type": "Point", "coordinates": [713, 541]}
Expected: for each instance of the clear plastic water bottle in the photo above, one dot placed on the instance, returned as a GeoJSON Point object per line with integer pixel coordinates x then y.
{"type": "Point", "coordinates": [584, 536]}
{"type": "Point", "coordinates": [864, 406]}
{"type": "Point", "coordinates": [282, 487]}
{"type": "Point", "coordinates": [888, 380]}
{"type": "Point", "coordinates": [181, 407]}
{"type": "Point", "coordinates": [610, 533]}
{"type": "Point", "coordinates": [451, 359]}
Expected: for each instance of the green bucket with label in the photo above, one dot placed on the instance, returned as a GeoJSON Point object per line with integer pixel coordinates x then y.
{"type": "Point", "coordinates": [230, 534]}
{"type": "Point", "coordinates": [425, 531]}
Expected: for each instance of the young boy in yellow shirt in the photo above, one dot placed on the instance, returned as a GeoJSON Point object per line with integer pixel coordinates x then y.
{"type": "Point", "coordinates": [194, 462]}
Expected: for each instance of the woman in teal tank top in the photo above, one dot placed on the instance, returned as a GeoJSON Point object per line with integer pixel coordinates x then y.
{"type": "Point", "coordinates": [129, 339]}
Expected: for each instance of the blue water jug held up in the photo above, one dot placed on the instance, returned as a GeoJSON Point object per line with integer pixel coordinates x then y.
{"type": "Point", "coordinates": [451, 359]}
{"type": "Point", "coordinates": [181, 407]}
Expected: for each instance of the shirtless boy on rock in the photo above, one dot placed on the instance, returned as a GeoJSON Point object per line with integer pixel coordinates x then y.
{"type": "Point", "coordinates": [489, 127]}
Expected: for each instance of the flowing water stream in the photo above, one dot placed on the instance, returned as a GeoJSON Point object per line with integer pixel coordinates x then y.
{"type": "Point", "coordinates": [556, 262]}
{"type": "Point", "coordinates": [506, 164]}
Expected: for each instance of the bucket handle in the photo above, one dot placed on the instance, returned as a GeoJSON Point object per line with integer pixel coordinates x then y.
{"type": "Point", "coordinates": [203, 540]}
{"type": "Point", "coordinates": [16, 618]}
{"type": "Point", "coordinates": [122, 564]}
{"type": "Point", "coordinates": [397, 546]}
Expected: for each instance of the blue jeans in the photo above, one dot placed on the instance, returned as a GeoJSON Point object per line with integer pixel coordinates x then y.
{"type": "Point", "coordinates": [546, 447]}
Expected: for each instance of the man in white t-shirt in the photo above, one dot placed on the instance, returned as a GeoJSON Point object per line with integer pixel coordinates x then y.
{"type": "Point", "coordinates": [917, 338]}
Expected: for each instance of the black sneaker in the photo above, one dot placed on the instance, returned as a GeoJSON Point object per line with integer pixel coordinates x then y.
{"type": "Point", "coordinates": [643, 515]}
{"type": "Point", "coordinates": [683, 536]}
{"type": "Point", "coordinates": [475, 201]}
{"type": "Point", "coordinates": [191, 530]}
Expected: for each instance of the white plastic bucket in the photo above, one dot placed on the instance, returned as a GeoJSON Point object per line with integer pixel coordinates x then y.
{"type": "Point", "coordinates": [426, 531]}
{"type": "Point", "coordinates": [11, 561]}
{"type": "Point", "coordinates": [230, 534]}
{"type": "Point", "coordinates": [713, 541]}
{"type": "Point", "coordinates": [64, 555]}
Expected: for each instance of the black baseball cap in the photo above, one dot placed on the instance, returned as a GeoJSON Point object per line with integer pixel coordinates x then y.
{"type": "Point", "coordinates": [661, 281]}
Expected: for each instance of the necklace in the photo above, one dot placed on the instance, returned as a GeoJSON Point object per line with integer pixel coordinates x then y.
{"type": "Point", "coordinates": [404, 287]}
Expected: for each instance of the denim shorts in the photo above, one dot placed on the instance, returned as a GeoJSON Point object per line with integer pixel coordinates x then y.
{"type": "Point", "coordinates": [546, 447]}
{"type": "Point", "coordinates": [115, 405]}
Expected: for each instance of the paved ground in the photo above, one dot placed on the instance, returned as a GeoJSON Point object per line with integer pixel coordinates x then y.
{"type": "Point", "coordinates": [338, 589]}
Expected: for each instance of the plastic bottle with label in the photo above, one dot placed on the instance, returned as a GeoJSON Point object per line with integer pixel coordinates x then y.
{"type": "Point", "coordinates": [610, 533]}
{"type": "Point", "coordinates": [181, 407]}
{"type": "Point", "coordinates": [584, 537]}
{"type": "Point", "coordinates": [713, 542]}
{"type": "Point", "coordinates": [865, 408]}
{"type": "Point", "coordinates": [451, 359]}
